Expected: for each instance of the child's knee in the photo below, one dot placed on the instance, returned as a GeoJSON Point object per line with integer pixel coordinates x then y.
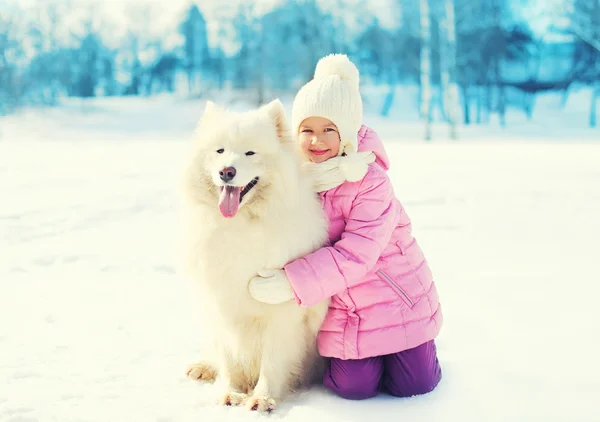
{"type": "Point", "coordinates": [413, 372]}
{"type": "Point", "coordinates": [415, 387]}
{"type": "Point", "coordinates": [354, 380]}
{"type": "Point", "coordinates": [355, 391]}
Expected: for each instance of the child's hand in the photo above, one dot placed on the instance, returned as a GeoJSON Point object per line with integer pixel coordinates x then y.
{"type": "Point", "coordinates": [271, 286]}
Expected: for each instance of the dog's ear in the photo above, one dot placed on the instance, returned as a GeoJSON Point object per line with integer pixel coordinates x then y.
{"type": "Point", "coordinates": [211, 108]}
{"type": "Point", "coordinates": [277, 115]}
{"type": "Point", "coordinates": [212, 111]}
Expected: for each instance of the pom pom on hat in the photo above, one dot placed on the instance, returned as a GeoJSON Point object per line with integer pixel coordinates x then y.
{"type": "Point", "coordinates": [338, 65]}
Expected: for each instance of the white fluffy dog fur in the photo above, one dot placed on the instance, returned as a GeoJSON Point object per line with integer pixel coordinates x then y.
{"type": "Point", "coordinates": [263, 351]}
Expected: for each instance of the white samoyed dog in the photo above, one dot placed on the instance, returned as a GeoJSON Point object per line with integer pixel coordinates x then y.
{"type": "Point", "coordinates": [248, 207]}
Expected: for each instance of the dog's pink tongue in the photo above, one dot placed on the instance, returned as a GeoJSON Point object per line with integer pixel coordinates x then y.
{"type": "Point", "coordinates": [229, 201]}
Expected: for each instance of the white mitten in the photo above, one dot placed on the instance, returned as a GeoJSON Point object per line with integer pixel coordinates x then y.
{"type": "Point", "coordinates": [271, 286]}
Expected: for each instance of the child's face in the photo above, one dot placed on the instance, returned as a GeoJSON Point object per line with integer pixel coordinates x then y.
{"type": "Point", "coordinates": [319, 139]}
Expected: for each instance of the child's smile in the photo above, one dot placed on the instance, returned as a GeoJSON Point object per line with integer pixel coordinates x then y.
{"type": "Point", "coordinates": [319, 139]}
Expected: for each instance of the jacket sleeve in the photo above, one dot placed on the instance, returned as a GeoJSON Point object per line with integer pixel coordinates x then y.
{"type": "Point", "coordinates": [369, 226]}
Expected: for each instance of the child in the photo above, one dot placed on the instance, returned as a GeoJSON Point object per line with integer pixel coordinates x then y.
{"type": "Point", "coordinates": [384, 311]}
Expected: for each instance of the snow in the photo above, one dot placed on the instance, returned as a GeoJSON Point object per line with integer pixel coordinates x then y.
{"type": "Point", "coordinates": [96, 325]}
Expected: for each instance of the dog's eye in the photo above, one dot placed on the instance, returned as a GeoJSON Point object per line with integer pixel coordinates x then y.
{"type": "Point", "coordinates": [250, 153]}
{"type": "Point", "coordinates": [220, 151]}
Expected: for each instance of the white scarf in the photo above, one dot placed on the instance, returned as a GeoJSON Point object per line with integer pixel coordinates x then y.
{"type": "Point", "coordinates": [351, 167]}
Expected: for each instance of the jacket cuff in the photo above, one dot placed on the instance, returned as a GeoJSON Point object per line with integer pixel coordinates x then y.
{"type": "Point", "coordinates": [293, 286]}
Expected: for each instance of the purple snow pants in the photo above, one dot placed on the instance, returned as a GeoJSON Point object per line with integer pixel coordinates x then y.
{"type": "Point", "coordinates": [404, 374]}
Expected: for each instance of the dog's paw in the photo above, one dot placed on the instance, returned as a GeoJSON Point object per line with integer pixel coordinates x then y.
{"type": "Point", "coordinates": [202, 371]}
{"type": "Point", "coordinates": [232, 398]}
{"type": "Point", "coordinates": [261, 403]}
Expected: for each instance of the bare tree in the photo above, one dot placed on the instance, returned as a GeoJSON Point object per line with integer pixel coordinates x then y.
{"type": "Point", "coordinates": [223, 23]}
{"type": "Point", "coordinates": [196, 48]}
{"type": "Point", "coordinates": [11, 57]}
{"type": "Point", "coordinates": [584, 23]}
{"type": "Point", "coordinates": [448, 66]}
{"type": "Point", "coordinates": [425, 68]}
{"type": "Point", "coordinates": [139, 48]}
{"type": "Point", "coordinates": [248, 71]}
{"type": "Point", "coordinates": [46, 22]}
{"type": "Point", "coordinates": [584, 17]}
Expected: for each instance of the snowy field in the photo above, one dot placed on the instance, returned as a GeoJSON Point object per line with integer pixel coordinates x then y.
{"type": "Point", "coordinates": [95, 324]}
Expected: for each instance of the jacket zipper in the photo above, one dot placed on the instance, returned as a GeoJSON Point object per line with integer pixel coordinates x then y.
{"type": "Point", "coordinates": [398, 289]}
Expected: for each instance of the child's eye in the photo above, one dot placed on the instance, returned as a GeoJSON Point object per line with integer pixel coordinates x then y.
{"type": "Point", "coordinates": [250, 153]}
{"type": "Point", "coordinates": [307, 130]}
{"type": "Point", "coordinates": [220, 151]}
{"type": "Point", "coordinates": [329, 129]}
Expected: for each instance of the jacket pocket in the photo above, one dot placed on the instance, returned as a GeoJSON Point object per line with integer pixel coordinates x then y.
{"type": "Point", "coordinates": [405, 297]}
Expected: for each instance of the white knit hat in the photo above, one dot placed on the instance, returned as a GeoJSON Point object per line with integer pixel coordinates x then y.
{"type": "Point", "coordinates": [333, 94]}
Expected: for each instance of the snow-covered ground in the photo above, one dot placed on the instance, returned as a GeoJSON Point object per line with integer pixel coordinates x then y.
{"type": "Point", "coordinates": [95, 325]}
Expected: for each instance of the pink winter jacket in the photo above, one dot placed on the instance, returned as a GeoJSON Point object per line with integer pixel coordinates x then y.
{"type": "Point", "coordinates": [383, 298]}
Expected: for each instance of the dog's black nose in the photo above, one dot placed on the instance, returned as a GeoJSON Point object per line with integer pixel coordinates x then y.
{"type": "Point", "coordinates": [227, 174]}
